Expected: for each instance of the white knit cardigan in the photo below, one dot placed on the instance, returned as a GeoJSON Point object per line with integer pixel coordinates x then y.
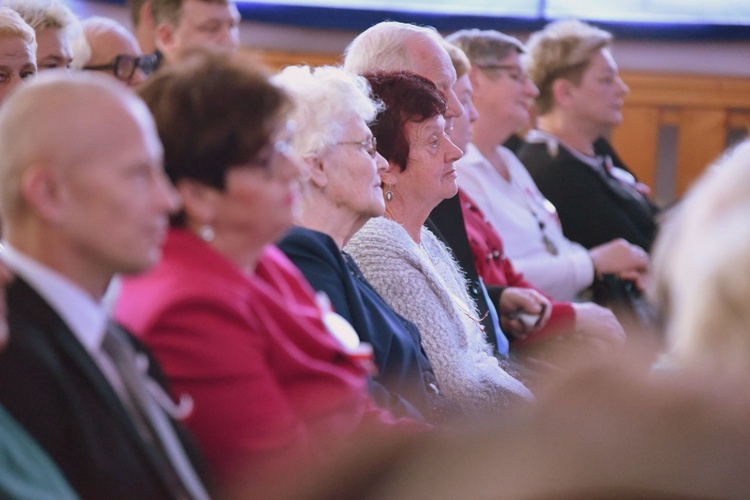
{"type": "Point", "coordinates": [423, 282]}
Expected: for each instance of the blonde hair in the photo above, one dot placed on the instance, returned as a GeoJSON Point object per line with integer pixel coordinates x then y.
{"type": "Point", "coordinates": [12, 25]}
{"type": "Point", "coordinates": [701, 264]}
{"type": "Point", "coordinates": [42, 14]}
{"type": "Point", "coordinates": [563, 49]}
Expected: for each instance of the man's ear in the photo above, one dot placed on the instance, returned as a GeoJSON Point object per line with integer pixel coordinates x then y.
{"type": "Point", "coordinates": [317, 171]}
{"type": "Point", "coordinates": [164, 37]}
{"type": "Point", "coordinates": [199, 202]}
{"type": "Point", "coordinates": [44, 192]}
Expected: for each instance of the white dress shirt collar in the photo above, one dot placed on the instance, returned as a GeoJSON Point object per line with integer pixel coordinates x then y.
{"type": "Point", "coordinates": [86, 317]}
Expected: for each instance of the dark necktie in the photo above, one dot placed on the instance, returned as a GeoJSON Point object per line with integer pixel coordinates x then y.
{"type": "Point", "coordinates": [183, 480]}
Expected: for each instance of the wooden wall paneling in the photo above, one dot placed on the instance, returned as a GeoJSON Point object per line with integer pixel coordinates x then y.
{"type": "Point", "coordinates": [703, 108]}
{"type": "Point", "coordinates": [702, 139]}
{"type": "Point", "coordinates": [637, 140]}
{"type": "Point", "coordinates": [278, 59]}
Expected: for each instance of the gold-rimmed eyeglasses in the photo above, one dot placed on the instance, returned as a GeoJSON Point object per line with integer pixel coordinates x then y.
{"type": "Point", "coordinates": [370, 145]}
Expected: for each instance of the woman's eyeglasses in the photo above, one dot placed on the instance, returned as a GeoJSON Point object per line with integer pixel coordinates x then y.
{"type": "Point", "coordinates": [370, 145]}
{"type": "Point", "coordinates": [124, 66]}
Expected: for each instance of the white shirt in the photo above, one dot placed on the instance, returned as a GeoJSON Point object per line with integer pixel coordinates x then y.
{"type": "Point", "coordinates": [85, 317]}
{"type": "Point", "coordinates": [510, 206]}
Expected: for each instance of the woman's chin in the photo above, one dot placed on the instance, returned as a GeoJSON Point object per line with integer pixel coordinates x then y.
{"type": "Point", "coordinates": [452, 190]}
{"type": "Point", "coordinates": [376, 210]}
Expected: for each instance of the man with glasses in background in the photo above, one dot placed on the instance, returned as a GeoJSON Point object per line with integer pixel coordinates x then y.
{"type": "Point", "coordinates": [105, 45]}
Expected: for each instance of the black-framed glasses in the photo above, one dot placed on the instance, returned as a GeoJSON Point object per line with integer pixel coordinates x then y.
{"type": "Point", "coordinates": [124, 66]}
{"type": "Point", "coordinates": [370, 145]}
{"type": "Point", "coordinates": [515, 72]}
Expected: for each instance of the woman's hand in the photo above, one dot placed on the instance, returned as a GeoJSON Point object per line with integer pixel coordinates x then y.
{"type": "Point", "coordinates": [523, 310]}
{"type": "Point", "coordinates": [627, 261]}
{"type": "Point", "coordinates": [597, 322]}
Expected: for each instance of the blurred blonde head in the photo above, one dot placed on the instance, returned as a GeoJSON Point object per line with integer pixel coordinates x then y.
{"type": "Point", "coordinates": [702, 270]}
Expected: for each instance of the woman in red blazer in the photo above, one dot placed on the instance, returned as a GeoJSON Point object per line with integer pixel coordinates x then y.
{"type": "Point", "coordinates": [232, 321]}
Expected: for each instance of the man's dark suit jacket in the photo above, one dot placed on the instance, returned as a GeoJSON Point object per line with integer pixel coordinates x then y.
{"type": "Point", "coordinates": [52, 386]}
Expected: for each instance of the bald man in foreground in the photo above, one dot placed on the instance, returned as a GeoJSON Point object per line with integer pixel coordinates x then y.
{"type": "Point", "coordinates": [83, 198]}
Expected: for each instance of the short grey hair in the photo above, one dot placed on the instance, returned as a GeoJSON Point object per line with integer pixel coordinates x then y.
{"type": "Point", "coordinates": [382, 47]}
{"type": "Point", "coordinates": [42, 14]}
{"type": "Point", "coordinates": [485, 47]}
{"type": "Point", "coordinates": [12, 25]}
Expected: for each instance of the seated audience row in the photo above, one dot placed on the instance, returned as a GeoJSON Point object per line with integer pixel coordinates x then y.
{"type": "Point", "coordinates": [395, 306]}
{"type": "Point", "coordinates": [499, 184]}
{"type": "Point", "coordinates": [571, 321]}
{"type": "Point", "coordinates": [232, 321]}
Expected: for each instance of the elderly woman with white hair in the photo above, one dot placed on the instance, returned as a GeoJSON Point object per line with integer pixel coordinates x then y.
{"type": "Point", "coordinates": [17, 51]}
{"type": "Point", "coordinates": [701, 266]}
{"type": "Point", "coordinates": [342, 191]}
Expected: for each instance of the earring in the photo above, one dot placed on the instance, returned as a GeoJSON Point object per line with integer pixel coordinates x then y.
{"type": "Point", "coordinates": [206, 233]}
{"type": "Point", "coordinates": [389, 193]}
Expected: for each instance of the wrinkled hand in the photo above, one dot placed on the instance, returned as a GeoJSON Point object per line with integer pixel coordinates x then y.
{"type": "Point", "coordinates": [594, 321]}
{"type": "Point", "coordinates": [514, 300]}
{"type": "Point", "coordinates": [627, 261]}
